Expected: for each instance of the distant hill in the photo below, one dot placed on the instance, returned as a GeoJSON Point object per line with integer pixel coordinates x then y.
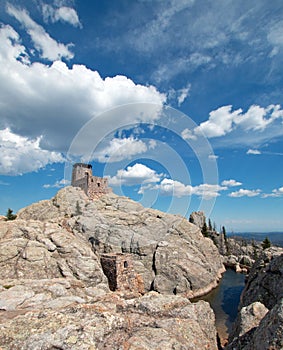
{"type": "Point", "coordinates": [276, 238]}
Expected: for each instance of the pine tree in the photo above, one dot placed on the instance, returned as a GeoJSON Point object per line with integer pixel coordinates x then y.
{"type": "Point", "coordinates": [266, 243]}
{"type": "Point", "coordinates": [224, 233]}
{"type": "Point", "coordinates": [204, 230]}
{"type": "Point", "coordinates": [209, 225]}
{"type": "Point", "coordinates": [10, 215]}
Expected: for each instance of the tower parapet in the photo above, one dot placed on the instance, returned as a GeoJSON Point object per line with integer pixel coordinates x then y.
{"type": "Point", "coordinates": [93, 186]}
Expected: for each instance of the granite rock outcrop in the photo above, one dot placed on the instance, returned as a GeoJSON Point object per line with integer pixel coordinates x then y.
{"type": "Point", "coordinates": [265, 282]}
{"type": "Point", "coordinates": [259, 324]}
{"type": "Point", "coordinates": [54, 293]}
{"type": "Point", "coordinates": [170, 253]}
{"type": "Point", "coordinates": [153, 321]}
{"type": "Point", "coordinates": [198, 218]}
{"type": "Point", "coordinates": [44, 250]}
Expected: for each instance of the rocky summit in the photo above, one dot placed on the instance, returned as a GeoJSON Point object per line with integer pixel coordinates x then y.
{"type": "Point", "coordinates": [104, 274]}
{"type": "Point", "coordinates": [170, 254]}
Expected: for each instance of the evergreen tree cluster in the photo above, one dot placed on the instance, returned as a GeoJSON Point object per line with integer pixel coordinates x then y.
{"type": "Point", "coordinates": [209, 230]}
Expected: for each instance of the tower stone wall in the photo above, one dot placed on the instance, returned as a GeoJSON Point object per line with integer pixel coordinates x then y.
{"type": "Point", "coordinates": [119, 270]}
{"type": "Point", "coordinates": [93, 186]}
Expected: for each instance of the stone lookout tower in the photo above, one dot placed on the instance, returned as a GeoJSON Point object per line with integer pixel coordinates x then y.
{"type": "Point", "coordinates": [93, 186]}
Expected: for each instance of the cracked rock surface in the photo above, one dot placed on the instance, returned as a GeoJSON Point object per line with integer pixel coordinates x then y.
{"type": "Point", "coordinates": [169, 252]}
{"type": "Point", "coordinates": [259, 324]}
{"type": "Point", "coordinates": [153, 321]}
{"type": "Point", "coordinates": [54, 294]}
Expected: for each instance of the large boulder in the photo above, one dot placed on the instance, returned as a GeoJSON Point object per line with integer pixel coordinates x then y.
{"type": "Point", "coordinates": [265, 282]}
{"type": "Point", "coordinates": [264, 334]}
{"type": "Point", "coordinates": [269, 333]}
{"type": "Point", "coordinates": [248, 319]}
{"type": "Point", "coordinates": [198, 218]}
{"type": "Point", "coordinates": [184, 263]}
{"type": "Point", "coordinates": [41, 250]}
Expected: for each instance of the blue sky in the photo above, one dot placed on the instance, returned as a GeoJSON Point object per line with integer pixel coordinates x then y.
{"type": "Point", "coordinates": [177, 102]}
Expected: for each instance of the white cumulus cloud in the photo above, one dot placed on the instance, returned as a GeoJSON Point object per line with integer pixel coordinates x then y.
{"type": "Point", "coordinates": [54, 101]}
{"type": "Point", "coordinates": [150, 180]}
{"type": "Point", "coordinates": [170, 187]}
{"type": "Point", "coordinates": [277, 192]}
{"type": "Point", "coordinates": [174, 188]}
{"type": "Point", "coordinates": [223, 120]}
{"type": "Point", "coordinates": [187, 134]}
{"type": "Point", "coordinates": [245, 193]}
{"type": "Point", "coordinates": [208, 191]}
{"type": "Point", "coordinates": [20, 155]}
{"type": "Point", "coordinates": [220, 122]}
{"type": "Point", "coordinates": [231, 183]}
{"type": "Point", "coordinates": [119, 149]}
{"type": "Point", "coordinates": [258, 118]}
{"type": "Point", "coordinates": [134, 175]}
